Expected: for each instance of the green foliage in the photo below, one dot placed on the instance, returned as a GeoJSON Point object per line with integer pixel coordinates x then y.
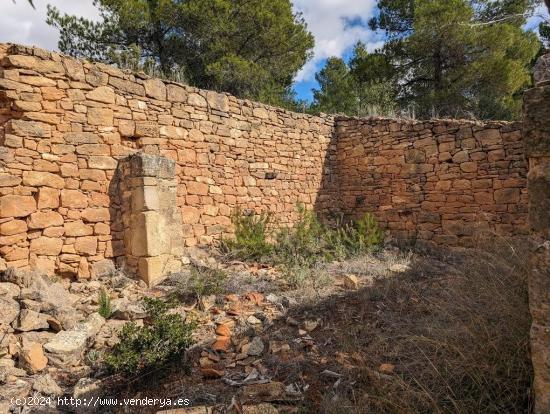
{"type": "Point", "coordinates": [360, 88]}
{"type": "Point", "coordinates": [250, 48]}
{"type": "Point", "coordinates": [251, 236]}
{"type": "Point", "coordinates": [298, 249]}
{"type": "Point", "coordinates": [336, 90]}
{"type": "Point", "coordinates": [302, 244]}
{"type": "Point", "coordinates": [458, 58]}
{"type": "Point", "coordinates": [351, 239]}
{"type": "Point", "coordinates": [164, 337]}
{"type": "Point", "coordinates": [104, 299]}
{"type": "Point", "coordinates": [204, 281]}
{"type": "Point", "coordinates": [544, 31]}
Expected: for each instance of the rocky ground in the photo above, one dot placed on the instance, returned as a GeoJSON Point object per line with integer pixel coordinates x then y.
{"type": "Point", "coordinates": [51, 334]}
{"type": "Point", "coordinates": [345, 340]}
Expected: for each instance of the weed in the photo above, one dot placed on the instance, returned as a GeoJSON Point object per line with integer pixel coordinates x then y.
{"type": "Point", "coordinates": [297, 249]}
{"type": "Point", "coordinates": [206, 281]}
{"type": "Point", "coordinates": [164, 338]}
{"type": "Point", "coordinates": [251, 236]}
{"type": "Point", "coordinates": [105, 309]}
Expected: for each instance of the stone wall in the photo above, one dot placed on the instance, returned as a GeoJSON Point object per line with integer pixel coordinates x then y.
{"type": "Point", "coordinates": [440, 181]}
{"type": "Point", "coordinates": [536, 111]}
{"type": "Point", "coordinates": [65, 126]}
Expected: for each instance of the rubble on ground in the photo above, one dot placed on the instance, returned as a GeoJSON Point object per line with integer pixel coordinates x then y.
{"type": "Point", "coordinates": [51, 334]}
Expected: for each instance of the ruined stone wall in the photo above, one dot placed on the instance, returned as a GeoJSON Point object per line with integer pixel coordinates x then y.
{"type": "Point", "coordinates": [440, 181]}
{"type": "Point", "coordinates": [65, 124]}
{"type": "Point", "coordinates": [536, 110]}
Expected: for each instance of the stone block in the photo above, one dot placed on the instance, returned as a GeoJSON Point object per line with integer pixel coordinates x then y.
{"type": "Point", "coordinates": [104, 94]}
{"type": "Point", "coordinates": [73, 199]}
{"type": "Point", "coordinates": [155, 88]}
{"type": "Point", "coordinates": [176, 93]}
{"type": "Point", "coordinates": [13, 227]}
{"type": "Point", "coordinates": [152, 269]}
{"type": "Point", "coordinates": [29, 128]}
{"type": "Point", "coordinates": [48, 198]}
{"type": "Point", "coordinates": [217, 101]}
{"type": "Point", "coordinates": [86, 245]}
{"type": "Point", "coordinates": [145, 198]}
{"type": "Point", "coordinates": [149, 237]}
{"type": "Point", "coordinates": [42, 179]}
{"type": "Point", "coordinates": [194, 99]}
{"type": "Point", "coordinates": [507, 196]}
{"type": "Point", "coordinates": [100, 116]}
{"type": "Point", "coordinates": [147, 165]}
{"type": "Point", "coordinates": [44, 219]}
{"type": "Point", "coordinates": [94, 215]}
{"type": "Point", "coordinates": [46, 246]}
{"type": "Point", "coordinates": [17, 206]}
{"type": "Point", "coordinates": [77, 228]}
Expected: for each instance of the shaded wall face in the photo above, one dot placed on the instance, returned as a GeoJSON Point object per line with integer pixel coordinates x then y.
{"type": "Point", "coordinates": [536, 110]}
{"type": "Point", "coordinates": [66, 124]}
{"type": "Point", "coordinates": [437, 181]}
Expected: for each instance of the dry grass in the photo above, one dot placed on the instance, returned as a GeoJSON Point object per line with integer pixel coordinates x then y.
{"type": "Point", "coordinates": [455, 326]}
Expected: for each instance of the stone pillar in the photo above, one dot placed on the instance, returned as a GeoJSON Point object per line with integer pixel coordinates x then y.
{"type": "Point", "coordinates": [536, 135]}
{"type": "Point", "coordinates": [153, 238]}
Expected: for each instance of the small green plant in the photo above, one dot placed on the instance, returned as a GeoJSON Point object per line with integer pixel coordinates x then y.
{"type": "Point", "coordinates": [105, 309]}
{"type": "Point", "coordinates": [302, 244]}
{"type": "Point", "coordinates": [165, 337]}
{"type": "Point", "coordinates": [205, 281]}
{"type": "Point", "coordinates": [251, 236]}
{"type": "Point", "coordinates": [297, 249]}
{"type": "Point", "coordinates": [360, 236]}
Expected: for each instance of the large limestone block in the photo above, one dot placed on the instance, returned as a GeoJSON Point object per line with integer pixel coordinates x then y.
{"type": "Point", "coordinates": [46, 246]}
{"type": "Point", "coordinates": [149, 236]}
{"type": "Point", "coordinates": [66, 348]}
{"type": "Point", "coordinates": [145, 198]}
{"type": "Point", "coordinates": [147, 165]}
{"type": "Point", "coordinates": [44, 219]}
{"type": "Point", "coordinates": [152, 269]}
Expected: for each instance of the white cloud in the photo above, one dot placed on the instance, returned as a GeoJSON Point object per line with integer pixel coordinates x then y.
{"type": "Point", "coordinates": [328, 20]}
{"type": "Point", "coordinates": [20, 23]}
{"type": "Point", "coordinates": [540, 14]}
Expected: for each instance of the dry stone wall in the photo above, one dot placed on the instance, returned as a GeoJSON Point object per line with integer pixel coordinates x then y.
{"type": "Point", "coordinates": [66, 127]}
{"type": "Point", "coordinates": [66, 124]}
{"type": "Point", "coordinates": [439, 181]}
{"type": "Point", "coordinates": [536, 111]}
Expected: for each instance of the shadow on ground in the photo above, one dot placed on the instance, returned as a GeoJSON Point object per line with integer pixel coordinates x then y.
{"type": "Point", "coordinates": [449, 334]}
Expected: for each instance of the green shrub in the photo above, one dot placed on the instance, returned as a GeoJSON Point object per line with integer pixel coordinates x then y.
{"type": "Point", "coordinates": [251, 236]}
{"type": "Point", "coordinates": [298, 248]}
{"type": "Point", "coordinates": [302, 244]}
{"type": "Point", "coordinates": [104, 309]}
{"type": "Point", "coordinates": [163, 338]}
{"type": "Point", "coordinates": [205, 281]}
{"type": "Point", "coordinates": [360, 236]}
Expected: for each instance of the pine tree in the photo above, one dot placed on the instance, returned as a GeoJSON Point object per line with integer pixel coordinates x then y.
{"type": "Point", "coordinates": [250, 48]}
{"type": "Point", "coordinates": [459, 57]}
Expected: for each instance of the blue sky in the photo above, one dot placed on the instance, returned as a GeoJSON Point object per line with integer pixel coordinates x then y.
{"type": "Point", "coordinates": [336, 24]}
